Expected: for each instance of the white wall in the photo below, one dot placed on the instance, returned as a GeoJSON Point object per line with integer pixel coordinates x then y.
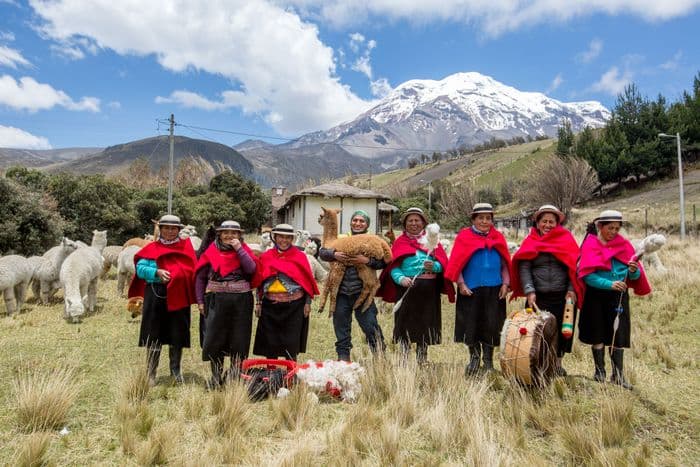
{"type": "Point", "coordinates": [307, 217]}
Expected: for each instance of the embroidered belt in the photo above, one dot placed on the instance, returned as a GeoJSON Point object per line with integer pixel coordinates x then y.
{"type": "Point", "coordinates": [228, 286]}
{"type": "Point", "coordinates": [284, 297]}
{"type": "Point", "coordinates": [427, 275]}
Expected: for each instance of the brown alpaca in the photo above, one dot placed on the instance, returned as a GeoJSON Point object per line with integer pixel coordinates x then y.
{"type": "Point", "coordinates": [367, 245]}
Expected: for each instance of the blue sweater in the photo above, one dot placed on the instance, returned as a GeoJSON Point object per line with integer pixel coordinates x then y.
{"type": "Point", "coordinates": [413, 265]}
{"type": "Point", "coordinates": [146, 269]}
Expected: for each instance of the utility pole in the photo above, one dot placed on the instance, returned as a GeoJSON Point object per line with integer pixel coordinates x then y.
{"type": "Point", "coordinates": [680, 183]}
{"type": "Point", "coordinates": [370, 176]}
{"type": "Point", "coordinates": [171, 170]}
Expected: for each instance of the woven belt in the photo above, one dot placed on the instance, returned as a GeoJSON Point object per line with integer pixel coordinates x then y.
{"type": "Point", "coordinates": [284, 296]}
{"type": "Point", "coordinates": [427, 275]}
{"type": "Point", "coordinates": [228, 286]}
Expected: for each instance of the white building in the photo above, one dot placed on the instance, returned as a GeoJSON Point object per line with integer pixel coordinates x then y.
{"type": "Point", "coordinates": [302, 209]}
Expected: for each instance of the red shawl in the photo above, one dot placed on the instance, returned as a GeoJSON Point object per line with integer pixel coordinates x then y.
{"type": "Point", "coordinates": [224, 261]}
{"type": "Point", "coordinates": [291, 262]}
{"type": "Point", "coordinates": [406, 246]}
{"type": "Point", "coordinates": [179, 259]}
{"type": "Point", "coordinates": [595, 256]}
{"type": "Point", "coordinates": [467, 243]}
{"type": "Point", "coordinates": [558, 242]}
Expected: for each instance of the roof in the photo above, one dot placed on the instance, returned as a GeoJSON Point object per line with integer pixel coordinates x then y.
{"type": "Point", "coordinates": [386, 207]}
{"type": "Point", "coordinates": [336, 190]}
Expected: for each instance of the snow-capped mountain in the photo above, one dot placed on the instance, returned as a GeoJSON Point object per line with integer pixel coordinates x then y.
{"type": "Point", "coordinates": [462, 109]}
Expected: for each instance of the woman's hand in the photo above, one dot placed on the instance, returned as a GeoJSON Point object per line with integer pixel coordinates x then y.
{"type": "Point", "coordinates": [619, 286]}
{"type": "Point", "coordinates": [258, 309]}
{"type": "Point", "coordinates": [531, 299]}
{"type": "Point", "coordinates": [340, 256]}
{"type": "Point", "coordinates": [406, 282]}
{"type": "Point", "coordinates": [200, 307]}
{"type": "Point", "coordinates": [163, 275]}
{"type": "Point", "coordinates": [505, 288]}
{"type": "Point", "coordinates": [428, 266]}
{"type": "Point", "coordinates": [632, 267]}
{"type": "Point", "coordinates": [358, 259]}
{"type": "Point", "coordinates": [571, 295]}
{"type": "Point", "coordinates": [464, 290]}
{"type": "Point", "coordinates": [235, 243]}
{"type": "Point", "coordinates": [307, 309]}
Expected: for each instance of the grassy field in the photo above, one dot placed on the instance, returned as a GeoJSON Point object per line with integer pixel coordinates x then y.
{"type": "Point", "coordinates": [91, 378]}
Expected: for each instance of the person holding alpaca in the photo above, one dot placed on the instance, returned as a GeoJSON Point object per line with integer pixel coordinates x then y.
{"type": "Point", "coordinates": [223, 287]}
{"type": "Point", "coordinates": [480, 264]}
{"type": "Point", "coordinates": [609, 268]}
{"type": "Point", "coordinates": [284, 298]}
{"type": "Point", "coordinates": [416, 275]}
{"type": "Point", "coordinates": [165, 279]}
{"type": "Point", "coordinates": [348, 293]}
{"type": "Point", "coordinates": [544, 271]}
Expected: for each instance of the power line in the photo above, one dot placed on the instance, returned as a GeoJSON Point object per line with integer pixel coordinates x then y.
{"type": "Point", "coordinates": [289, 140]}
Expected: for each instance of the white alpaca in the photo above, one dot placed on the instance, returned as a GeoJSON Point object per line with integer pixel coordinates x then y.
{"type": "Point", "coordinates": [125, 267]}
{"type": "Point", "coordinates": [320, 273]}
{"type": "Point", "coordinates": [648, 246]}
{"type": "Point", "coordinates": [35, 262]}
{"type": "Point", "coordinates": [15, 275]}
{"type": "Point", "coordinates": [79, 275]}
{"type": "Point", "coordinates": [46, 273]}
{"type": "Point", "coordinates": [302, 238]}
{"type": "Point", "coordinates": [512, 247]}
{"type": "Point", "coordinates": [190, 232]}
{"type": "Point", "coordinates": [110, 255]}
{"type": "Point", "coordinates": [265, 241]}
{"type": "Point", "coordinates": [445, 244]}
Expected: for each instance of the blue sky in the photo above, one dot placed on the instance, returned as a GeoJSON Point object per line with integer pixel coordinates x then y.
{"type": "Point", "coordinates": [100, 72]}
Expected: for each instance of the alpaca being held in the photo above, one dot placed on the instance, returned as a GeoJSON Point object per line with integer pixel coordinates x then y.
{"type": "Point", "coordinates": [367, 245]}
{"type": "Point", "coordinates": [79, 275]}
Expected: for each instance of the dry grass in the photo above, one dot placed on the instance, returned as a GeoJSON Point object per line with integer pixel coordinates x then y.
{"type": "Point", "coordinates": [44, 398]}
{"type": "Point", "coordinates": [406, 415]}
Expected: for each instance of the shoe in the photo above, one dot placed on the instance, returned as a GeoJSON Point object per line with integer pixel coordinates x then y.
{"type": "Point", "coordinates": [617, 376]}
{"type": "Point", "coordinates": [175, 354]}
{"type": "Point", "coordinates": [216, 379]}
{"type": "Point", "coordinates": [599, 362]}
{"type": "Point", "coordinates": [422, 354]}
{"type": "Point", "coordinates": [474, 360]}
{"type": "Point", "coordinates": [152, 359]}
{"type": "Point", "coordinates": [487, 356]}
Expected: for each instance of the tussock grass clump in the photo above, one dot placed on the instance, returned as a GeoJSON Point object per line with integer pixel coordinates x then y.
{"type": "Point", "coordinates": [296, 411]}
{"type": "Point", "coordinates": [43, 399]}
{"type": "Point", "coordinates": [132, 384]}
{"type": "Point", "coordinates": [616, 420]}
{"type": "Point", "coordinates": [581, 442]}
{"type": "Point", "coordinates": [32, 452]}
{"type": "Point", "coordinates": [665, 356]}
{"type": "Point", "coordinates": [234, 410]}
{"type": "Point", "coordinates": [159, 447]}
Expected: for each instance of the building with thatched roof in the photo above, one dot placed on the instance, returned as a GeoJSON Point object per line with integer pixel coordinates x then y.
{"type": "Point", "coordinates": [301, 209]}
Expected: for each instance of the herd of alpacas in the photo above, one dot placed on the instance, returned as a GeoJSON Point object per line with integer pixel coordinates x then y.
{"type": "Point", "coordinates": [77, 268]}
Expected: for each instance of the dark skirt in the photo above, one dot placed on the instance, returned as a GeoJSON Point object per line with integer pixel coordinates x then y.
{"type": "Point", "coordinates": [160, 326]}
{"type": "Point", "coordinates": [229, 325]}
{"type": "Point", "coordinates": [595, 325]}
{"type": "Point", "coordinates": [480, 318]}
{"type": "Point", "coordinates": [554, 302]}
{"type": "Point", "coordinates": [419, 318]}
{"type": "Point", "coordinates": [282, 329]}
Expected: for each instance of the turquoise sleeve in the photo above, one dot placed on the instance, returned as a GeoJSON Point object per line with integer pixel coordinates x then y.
{"type": "Point", "coordinates": [599, 282]}
{"type": "Point", "coordinates": [146, 269]}
{"type": "Point", "coordinates": [634, 275]}
{"type": "Point", "coordinates": [397, 274]}
{"type": "Point", "coordinates": [437, 267]}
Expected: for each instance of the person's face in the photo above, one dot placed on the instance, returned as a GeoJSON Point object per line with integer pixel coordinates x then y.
{"type": "Point", "coordinates": [358, 224]}
{"type": "Point", "coordinates": [414, 224]}
{"type": "Point", "coordinates": [609, 230]}
{"type": "Point", "coordinates": [228, 235]}
{"type": "Point", "coordinates": [483, 222]}
{"type": "Point", "coordinates": [546, 222]}
{"type": "Point", "coordinates": [169, 232]}
{"type": "Point", "coordinates": [283, 241]}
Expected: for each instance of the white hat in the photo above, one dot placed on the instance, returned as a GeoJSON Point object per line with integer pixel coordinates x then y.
{"type": "Point", "coordinates": [481, 208]}
{"type": "Point", "coordinates": [549, 208]}
{"type": "Point", "coordinates": [609, 215]}
{"type": "Point", "coordinates": [229, 225]}
{"type": "Point", "coordinates": [282, 229]}
{"type": "Point", "coordinates": [170, 219]}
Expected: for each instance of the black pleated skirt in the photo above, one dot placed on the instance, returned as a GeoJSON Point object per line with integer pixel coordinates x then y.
{"type": "Point", "coordinates": [229, 325]}
{"type": "Point", "coordinates": [282, 329]}
{"type": "Point", "coordinates": [480, 318]}
{"type": "Point", "coordinates": [160, 326]}
{"type": "Point", "coordinates": [598, 314]}
{"type": "Point", "coordinates": [419, 318]}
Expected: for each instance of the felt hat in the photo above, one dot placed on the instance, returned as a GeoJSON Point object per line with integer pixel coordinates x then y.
{"type": "Point", "coordinates": [481, 208]}
{"type": "Point", "coordinates": [170, 219]}
{"type": "Point", "coordinates": [545, 208]}
{"type": "Point", "coordinates": [413, 210]}
{"type": "Point", "coordinates": [229, 225]}
{"type": "Point", "coordinates": [282, 229]}
{"type": "Point", "coordinates": [609, 215]}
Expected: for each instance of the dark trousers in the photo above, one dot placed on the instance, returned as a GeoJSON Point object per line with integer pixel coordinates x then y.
{"type": "Point", "coordinates": [342, 325]}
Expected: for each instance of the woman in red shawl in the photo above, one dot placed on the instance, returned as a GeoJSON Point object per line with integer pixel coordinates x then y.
{"type": "Point", "coordinates": [544, 270]}
{"type": "Point", "coordinates": [284, 298]}
{"type": "Point", "coordinates": [479, 264]}
{"type": "Point", "coordinates": [165, 279]}
{"type": "Point", "coordinates": [225, 299]}
{"type": "Point", "coordinates": [609, 268]}
{"type": "Point", "coordinates": [416, 274]}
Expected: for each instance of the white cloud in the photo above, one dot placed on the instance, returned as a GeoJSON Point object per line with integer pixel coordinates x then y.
{"type": "Point", "coordinates": [116, 105]}
{"type": "Point", "coordinates": [556, 82]}
{"type": "Point", "coordinates": [493, 17]}
{"type": "Point", "coordinates": [674, 62]}
{"type": "Point", "coordinates": [279, 66]}
{"type": "Point", "coordinates": [11, 137]}
{"type": "Point", "coordinates": [613, 82]}
{"type": "Point", "coordinates": [11, 58]}
{"type": "Point", "coordinates": [356, 41]}
{"type": "Point", "coordinates": [594, 49]}
{"type": "Point", "coordinates": [28, 94]}
{"type": "Point", "coordinates": [7, 36]}
{"type": "Point", "coordinates": [380, 88]}
{"type": "Point", "coordinates": [362, 64]}
{"type": "Point", "coordinates": [67, 51]}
